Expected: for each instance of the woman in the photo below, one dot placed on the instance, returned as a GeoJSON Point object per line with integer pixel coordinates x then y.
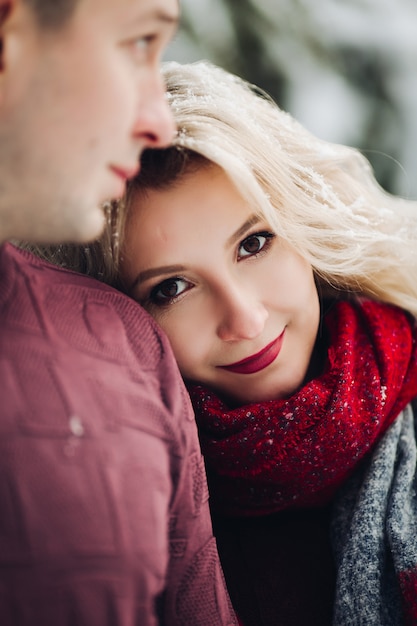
{"type": "Point", "coordinates": [286, 281]}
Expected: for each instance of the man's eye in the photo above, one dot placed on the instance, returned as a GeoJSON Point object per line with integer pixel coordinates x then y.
{"type": "Point", "coordinates": [168, 290]}
{"type": "Point", "coordinates": [142, 43]}
{"type": "Point", "coordinates": [140, 46]}
{"type": "Point", "coordinates": [254, 244]}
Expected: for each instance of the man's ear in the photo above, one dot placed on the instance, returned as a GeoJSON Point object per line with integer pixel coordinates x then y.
{"type": "Point", "coordinates": [6, 8]}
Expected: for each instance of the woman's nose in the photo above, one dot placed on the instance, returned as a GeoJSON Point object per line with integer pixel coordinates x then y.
{"type": "Point", "coordinates": [241, 316]}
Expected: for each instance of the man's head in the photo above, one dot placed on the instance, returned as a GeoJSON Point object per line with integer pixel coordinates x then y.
{"type": "Point", "coordinates": [80, 97]}
{"type": "Point", "coordinates": [52, 13]}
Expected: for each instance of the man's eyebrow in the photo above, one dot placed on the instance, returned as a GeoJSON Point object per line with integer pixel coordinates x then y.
{"type": "Point", "coordinates": [170, 18]}
{"type": "Point", "coordinates": [161, 15]}
{"type": "Point", "coordinates": [158, 15]}
{"type": "Point", "coordinates": [156, 271]}
{"type": "Point", "coordinates": [251, 221]}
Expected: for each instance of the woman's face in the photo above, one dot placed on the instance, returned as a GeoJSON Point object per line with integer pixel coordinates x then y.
{"type": "Point", "coordinates": [238, 304]}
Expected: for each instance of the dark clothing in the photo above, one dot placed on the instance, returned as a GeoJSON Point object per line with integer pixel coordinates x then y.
{"type": "Point", "coordinates": [279, 568]}
{"type": "Point", "coordinates": [104, 515]}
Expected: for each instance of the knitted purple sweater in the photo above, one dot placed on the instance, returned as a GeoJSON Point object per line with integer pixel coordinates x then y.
{"type": "Point", "coordinates": [104, 514]}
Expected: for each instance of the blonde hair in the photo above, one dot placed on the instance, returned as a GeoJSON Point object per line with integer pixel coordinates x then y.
{"type": "Point", "coordinates": [320, 197]}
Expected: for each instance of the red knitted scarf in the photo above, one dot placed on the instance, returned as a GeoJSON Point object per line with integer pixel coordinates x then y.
{"type": "Point", "coordinates": [295, 452]}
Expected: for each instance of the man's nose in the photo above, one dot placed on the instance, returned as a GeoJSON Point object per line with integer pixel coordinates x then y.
{"type": "Point", "coordinates": [154, 125]}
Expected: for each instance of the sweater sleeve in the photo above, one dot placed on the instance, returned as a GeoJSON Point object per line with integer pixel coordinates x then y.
{"type": "Point", "coordinates": [104, 516]}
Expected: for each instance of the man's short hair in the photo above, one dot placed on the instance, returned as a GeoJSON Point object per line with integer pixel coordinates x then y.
{"type": "Point", "coordinates": [52, 13]}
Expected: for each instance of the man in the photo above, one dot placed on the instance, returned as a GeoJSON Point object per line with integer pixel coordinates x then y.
{"type": "Point", "coordinates": [103, 500]}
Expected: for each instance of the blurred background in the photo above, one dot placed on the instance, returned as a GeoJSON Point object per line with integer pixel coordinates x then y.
{"type": "Point", "coordinates": [346, 69]}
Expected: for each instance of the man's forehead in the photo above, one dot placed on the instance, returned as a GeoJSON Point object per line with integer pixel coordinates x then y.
{"type": "Point", "coordinates": [166, 10]}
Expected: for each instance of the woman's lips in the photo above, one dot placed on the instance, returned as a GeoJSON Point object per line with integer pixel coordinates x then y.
{"type": "Point", "coordinates": [257, 361]}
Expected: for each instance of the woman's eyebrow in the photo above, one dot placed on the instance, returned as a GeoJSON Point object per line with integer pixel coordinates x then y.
{"type": "Point", "coordinates": [156, 271]}
{"type": "Point", "coordinates": [172, 269]}
{"type": "Point", "coordinates": [251, 221]}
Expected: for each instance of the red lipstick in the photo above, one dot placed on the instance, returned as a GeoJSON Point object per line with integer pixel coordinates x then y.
{"type": "Point", "coordinates": [258, 361]}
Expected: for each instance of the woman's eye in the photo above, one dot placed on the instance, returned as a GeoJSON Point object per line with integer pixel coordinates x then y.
{"type": "Point", "coordinates": [168, 290]}
{"type": "Point", "coordinates": [254, 244]}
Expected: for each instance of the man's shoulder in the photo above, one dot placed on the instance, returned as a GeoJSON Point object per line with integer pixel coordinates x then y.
{"type": "Point", "coordinates": [15, 262]}
{"type": "Point", "coordinates": [42, 300]}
